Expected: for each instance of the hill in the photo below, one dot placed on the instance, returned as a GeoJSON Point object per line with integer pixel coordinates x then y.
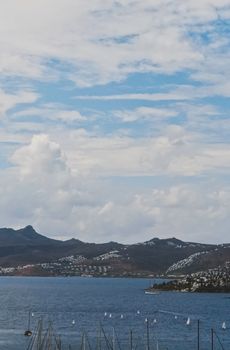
{"type": "Point", "coordinates": [73, 257]}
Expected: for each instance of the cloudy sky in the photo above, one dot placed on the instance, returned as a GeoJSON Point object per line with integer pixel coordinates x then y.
{"type": "Point", "coordinates": [114, 118]}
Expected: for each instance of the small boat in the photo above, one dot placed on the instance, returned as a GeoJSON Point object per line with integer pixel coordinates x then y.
{"type": "Point", "coordinates": [122, 316]}
{"type": "Point", "coordinates": [153, 292]}
{"type": "Point", "coordinates": [28, 332]}
{"type": "Point", "coordinates": [188, 321]}
{"type": "Point", "coordinates": [73, 322]}
{"type": "Point", "coordinates": [223, 326]}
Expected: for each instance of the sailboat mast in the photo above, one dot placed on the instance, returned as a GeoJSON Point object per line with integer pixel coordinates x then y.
{"type": "Point", "coordinates": [147, 334]}
{"type": "Point", "coordinates": [198, 335]}
{"type": "Point", "coordinates": [131, 339]}
{"type": "Point", "coordinates": [212, 339]}
{"type": "Point", "coordinates": [29, 321]}
{"type": "Point", "coordinates": [113, 339]}
{"type": "Point", "coordinates": [99, 339]}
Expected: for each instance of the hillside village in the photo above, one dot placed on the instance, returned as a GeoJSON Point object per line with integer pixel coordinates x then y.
{"type": "Point", "coordinates": [66, 266]}
{"type": "Point", "coordinates": [213, 280]}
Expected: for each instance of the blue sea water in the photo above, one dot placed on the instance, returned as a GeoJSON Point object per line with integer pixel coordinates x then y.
{"type": "Point", "coordinates": [86, 300]}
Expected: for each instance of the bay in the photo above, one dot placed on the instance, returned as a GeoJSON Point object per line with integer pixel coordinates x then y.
{"type": "Point", "coordinates": [117, 305]}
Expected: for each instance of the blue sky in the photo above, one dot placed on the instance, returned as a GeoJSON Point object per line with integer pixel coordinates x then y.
{"type": "Point", "coordinates": [114, 119]}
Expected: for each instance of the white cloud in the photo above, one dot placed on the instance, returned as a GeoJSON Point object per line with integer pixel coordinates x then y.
{"type": "Point", "coordinates": [191, 212]}
{"type": "Point", "coordinates": [153, 114]}
{"type": "Point", "coordinates": [137, 37]}
{"type": "Point", "coordinates": [106, 208]}
{"type": "Point", "coordinates": [10, 100]}
{"type": "Point", "coordinates": [175, 93]}
{"type": "Point", "coordinates": [166, 150]}
{"type": "Point", "coordinates": [174, 151]}
{"type": "Point", "coordinates": [178, 94]}
{"type": "Point", "coordinates": [55, 112]}
{"type": "Point", "coordinates": [62, 204]}
{"type": "Point", "coordinates": [39, 157]}
{"type": "Point", "coordinates": [60, 182]}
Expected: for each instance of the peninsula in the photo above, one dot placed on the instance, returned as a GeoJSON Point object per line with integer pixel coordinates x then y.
{"type": "Point", "coordinates": [212, 281]}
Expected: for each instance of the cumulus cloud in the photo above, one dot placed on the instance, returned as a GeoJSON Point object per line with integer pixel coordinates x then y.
{"type": "Point", "coordinates": [173, 151]}
{"type": "Point", "coordinates": [57, 201]}
{"type": "Point", "coordinates": [40, 156]}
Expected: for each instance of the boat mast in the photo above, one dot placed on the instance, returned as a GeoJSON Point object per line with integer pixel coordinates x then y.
{"type": "Point", "coordinates": [198, 334]}
{"type": "Point", "coordinates": [113, 339]}
{"type": "Point", "coordinates": [131, 339]}
{"type": "Point", "coordinates": [147, 334]}
{"type": "Point", "coordinates": [212, 339]}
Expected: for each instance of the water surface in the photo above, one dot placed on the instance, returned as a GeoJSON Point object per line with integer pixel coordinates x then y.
{"type": "Point", "coordinates": [86, 300]}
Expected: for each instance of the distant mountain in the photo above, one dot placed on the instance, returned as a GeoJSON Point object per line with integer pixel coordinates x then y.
{"type": "Point", "coordinates": [156, 256]}
{"type": "Point", "coordinates": [24, 236]}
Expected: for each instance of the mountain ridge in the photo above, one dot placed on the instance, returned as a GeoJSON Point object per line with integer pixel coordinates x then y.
{"type": "Point", "coordinates": [30, 231]}
{"type": "Point", "coordinates": [155, 256]}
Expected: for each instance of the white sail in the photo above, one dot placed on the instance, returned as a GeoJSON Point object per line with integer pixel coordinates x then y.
{"type": "Point", "coordinates": [224, 325]}
{"type": "Point", "coordinates": [188, 321]}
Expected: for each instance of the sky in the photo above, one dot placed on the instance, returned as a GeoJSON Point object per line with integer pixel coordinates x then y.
{"type": "Point", "coordinates": [114, 119]}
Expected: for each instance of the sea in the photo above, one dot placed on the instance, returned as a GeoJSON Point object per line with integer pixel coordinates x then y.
{"type": "Point", "coordinates": [114, 310]}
